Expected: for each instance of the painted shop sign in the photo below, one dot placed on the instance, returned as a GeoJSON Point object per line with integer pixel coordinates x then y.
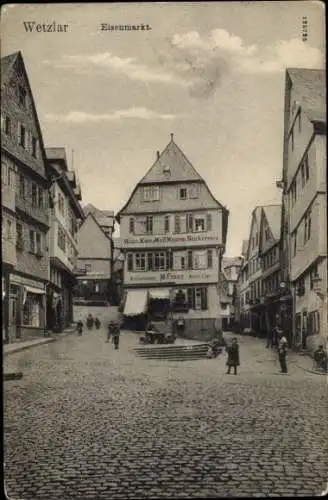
{"type": "Point", "coordinates": [178, 277]}
{"type": "Point", "coordinates": [20, 280]}
{"type": "Point", "coordinates": [189, 239]}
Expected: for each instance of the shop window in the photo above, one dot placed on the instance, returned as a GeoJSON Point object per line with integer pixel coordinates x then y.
{"type": "Point", "coordinates": [31, 310]}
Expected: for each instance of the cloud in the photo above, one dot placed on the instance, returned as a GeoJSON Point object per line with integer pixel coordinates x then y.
{"type": "Point", "coordinates": [200, 62]}
{"type": "Point", "coordinates": [81, 117]}
{"type": "Point", "coordinates": [203, 61]}
{"type": "Point", "coordinates": [118, 65]}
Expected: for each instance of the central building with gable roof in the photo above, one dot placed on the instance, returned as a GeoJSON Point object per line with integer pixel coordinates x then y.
{"type": "Point", "coordinates": [173, 235]}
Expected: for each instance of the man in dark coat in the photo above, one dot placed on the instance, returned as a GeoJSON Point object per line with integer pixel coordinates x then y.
{"type": "Point", "coordinates": [233, 356]}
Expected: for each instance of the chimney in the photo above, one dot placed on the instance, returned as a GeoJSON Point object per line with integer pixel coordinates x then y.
{"type": "Point", "coordinates": [171, 137]}
{"type": "Point", "coordinates": [157, 154]}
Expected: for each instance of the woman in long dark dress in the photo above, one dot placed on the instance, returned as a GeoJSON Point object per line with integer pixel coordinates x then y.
{"type": "Point", "coordinates": [233, 356]}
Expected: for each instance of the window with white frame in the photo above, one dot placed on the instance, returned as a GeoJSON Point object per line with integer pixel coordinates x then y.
{"type": "Point", "coordinates": [150, 193]}
{"type": "Point", "coordinates": [199, 259]}
{"type": "Point", "coordinates": [197, 298]}
{"type": "Point", "coordinates": [180, 260]}
{"type": "Point", "coordinates": [143, 225]}
{"type": "Point", "coordinates": [194, 190]}
{"type": "Point", "coordinates": [140, 261]}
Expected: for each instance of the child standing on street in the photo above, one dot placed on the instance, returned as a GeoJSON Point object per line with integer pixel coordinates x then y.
{"type": "Point", "coordinates": [282, 353]}
{"type": "Point", "coordinates": [233, 356]}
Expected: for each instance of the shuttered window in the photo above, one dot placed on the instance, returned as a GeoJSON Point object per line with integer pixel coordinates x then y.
{"type": "Point", "coordinates": [197, 298]}
{"type": "Point", "coordinates": [131, 225]}
{"type": "Point", "coordinates": [209, 258]}
{"type": "Point", "coordinates": [189, 259]}
{"type": "Point", "coordinates": [166, 224]}
{"type": "Point", "coordinates": [177, 227]}
{"type": "Point", "coordinates": [209, 222]}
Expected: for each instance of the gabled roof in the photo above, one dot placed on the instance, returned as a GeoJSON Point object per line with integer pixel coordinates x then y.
{"type": "Point", "coordinates": [273, 216]}
{"type": "Point", "coordinates": [91, 216]}
{"type": "Point", "coordinates": [174, 161]}
{"type": "Point", "coordinates": [7, 67]}
{"type": "Point", "coordinates": [256, 215]}
{"type": "Point", "coordinates": [6, 64]}
{"type": "Point", "coordinates": [310, 85]}
{"type": "Point", "coordinates": [103, 217]}
{"type": "Point", "coordinates": [181, 170]}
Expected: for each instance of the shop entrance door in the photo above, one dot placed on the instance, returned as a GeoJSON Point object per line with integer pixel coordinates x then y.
{"type": "Point", "coordinates": [14, 331]}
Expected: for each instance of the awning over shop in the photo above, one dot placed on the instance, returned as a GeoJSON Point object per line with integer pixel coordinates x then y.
{"type": "Point", "coordinates": [159, 293]}
{"type": "Point", "coordinates": [32, 289]}
{"type": "Point", "coordinates": [136, 302]}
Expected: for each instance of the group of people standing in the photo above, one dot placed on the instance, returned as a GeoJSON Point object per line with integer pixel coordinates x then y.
{"type": "Point", "coordinates": [277, 340]}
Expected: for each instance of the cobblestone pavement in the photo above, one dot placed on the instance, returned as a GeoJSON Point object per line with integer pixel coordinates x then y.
{"type": "Point", "coordinates": [88, 422]}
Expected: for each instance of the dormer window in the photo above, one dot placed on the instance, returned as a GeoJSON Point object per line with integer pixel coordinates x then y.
{"type": "Point", "coordinates": [167, 171]}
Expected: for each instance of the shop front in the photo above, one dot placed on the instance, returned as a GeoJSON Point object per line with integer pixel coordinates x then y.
{"type": "Point", "coordinates": [27, 309]}
{"type": "Point", "coordinates": [185, 310]}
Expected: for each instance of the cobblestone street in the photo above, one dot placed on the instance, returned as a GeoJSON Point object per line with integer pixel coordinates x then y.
{"type": "Point", "coordinates": [88, 422]}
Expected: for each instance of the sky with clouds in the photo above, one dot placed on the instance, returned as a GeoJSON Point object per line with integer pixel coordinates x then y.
{"type": "Point", "coordinates": [211, 73]}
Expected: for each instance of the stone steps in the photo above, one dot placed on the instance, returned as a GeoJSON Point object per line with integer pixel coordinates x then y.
{"type": "Point", "coordinates": [173, 353]}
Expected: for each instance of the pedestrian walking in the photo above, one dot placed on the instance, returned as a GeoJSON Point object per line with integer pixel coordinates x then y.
{"type": "Point", "coordinates": [97, 323]}
{"type": "Point", "coordinates": [282, 353]}
{"type": "Point", "coordinates": [110, 330]}
{"type": "Point", "coordinates": [79, 327]}
{"type": "Point", "coordinates": [89, 322]}
{"type": "Point", "coordinates": [116, 336]}
{"type": "Point", "coordinates": [233, 356]}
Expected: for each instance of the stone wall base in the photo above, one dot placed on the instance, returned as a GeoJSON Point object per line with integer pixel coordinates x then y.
{"type": "Point", "coordinates": [199, 329]}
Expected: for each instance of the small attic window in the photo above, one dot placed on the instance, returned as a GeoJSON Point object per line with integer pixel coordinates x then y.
{"type": "Point", "coordinates": [166, 171]}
